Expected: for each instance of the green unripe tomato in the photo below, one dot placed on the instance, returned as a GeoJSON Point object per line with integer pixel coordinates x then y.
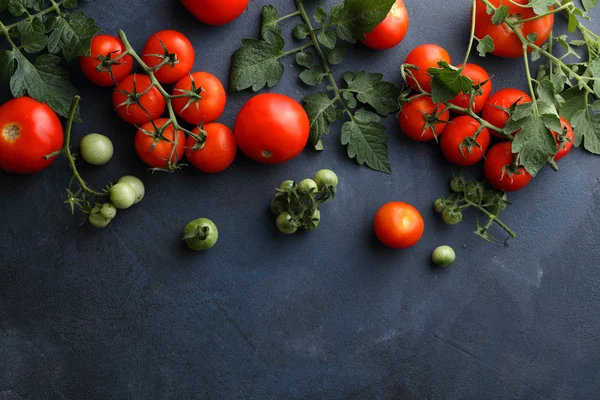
{"type": "Point", "coordinates": [200, 234]}
{"type": "Point", "coordinates": [474, 192]}
{"type": "Point", "coordinates": [96, 149]}
{"type": "Point", "coordinates": [108, 211]}
{"type": "Point", "coordinates": [316, 218]}
{"type": "Point", "coordinates": [443, 256]}
{"type": "Point", "coordinates": [493, 203]}
{"type": "Point", "coordinates": [122, 195]}
{"type": "Point", "coordinates": [307, 186]}
{"type": "Point", "coordinates": [277, 206]}
{"type": "Point", "coordinates": [452, 216]}
{"type": "Point", "coordinates": [325, 177]}
{"type": "Point", "coordinates": [287, 185]}
{"type": "Point", "coordinates": [285, 224]}
{"type": "Point", "coordinates": [457, 184]}
{"type": "Point", "coordinates": [439, 205]}
{"type": "Point", "coordinates": [136, 184]}
{"type": "Point", "coordinates": [96, 219]}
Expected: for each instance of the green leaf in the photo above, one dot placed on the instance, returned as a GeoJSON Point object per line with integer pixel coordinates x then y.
{"type": "Point", "coordinates": [448, 82]}
{"type": "Point", "coordinates": [371, 89]}
{"type": "Point", "coordinates": [19, 7]}
{"type": "Point", "coordinates": [270, 18]}
{"type": "Point", "coordinates": [7, 65]}
{"type": "Point", "coordinates": [72, 37]}
{"type": "Point", "coordinates": [540, 7]}
{"type": "Point", "coordinates": [366, 141]}
{"type": "Point", "coordinates": [587, 131]}
{"type": "Point", "coordinates": [572, 101]}
{"type": "Point", "coordinates": [313, 76]}
{"type": "Point", "coordinates": [359, 17]}
{"type": "Point", "coordinates": [486, 45]}
{"type": "Point", "coordinates": [304, 59]}
{"type": "Point", "coordinates": [589, 4]}
{"type": "Point", "coordinates": [500, 15]}
{"type": "Point", "coordinates": [33, 42]}
{"type": "Point", "coordinates": [327, 39]}
{"type": "Point", "coordinates": [573, 22]}
{"type": "Point", "coordinates": [546, 93]}
{"type": "Point", "coordinates": [301, 31]}
{"type": "Point", "coordinates": [594, 69]}
{"type": "Point", "coordinates": [256, 63]}
{"type": "Point", "coordinates": [69, 4]}
{"type": "Point", "coordinates": [320, 15]}
{"type": "Point", "coordinates": [336, 55]}
{"type": "Point", "coordinates": [533, 142]}
{"type": "Point", "coordinates": [321, 113]}
{"type": "Point", "coordinates": [3, 4]}
{"type": "Point", "coordinates": [532, 37]}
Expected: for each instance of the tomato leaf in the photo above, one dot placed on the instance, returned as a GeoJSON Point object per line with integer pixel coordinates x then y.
{"type": "Point", "coordinates": [359, 17]}
{"type": "Point", "coordinates": [486, 45]}
{"type": "Point", "coordinates": [270, 19]}
{"type": "Point", "coordinates": [301, 31]}
{"type": "Point", "coordinates": [313, 76]}
{"type": "Point", "coordinates": [336, 55]}
{"type": "Point", "coordinates": [304, 59]}
{"type": "Point", "coordinates": [366, 141]}
{"type": "Point", "coordinates": [327, 39]}
{"type": "Point", "coordinates": [587, 131]}
{"type": "Point", "coordinates": [572, 100]}
{"type": "Point", "coordinates": [7, 65]}
{"type": "Point", "coordinates": [4, 4]}
{"type": "Point", "coordinates": [320, 15]}
{"type": "Point", "coordinates": [448, 82]}
{"type": "Point", "coordinates": [72, 37]}
{"type": "Point", "coordinates": [594, 70]}
{"type": "Point", "coordinates": [589, 4]}
{"type": "Point", "coordinates": [500, 15]}
{"type": "Point", "coordinates": [540, 7]}
{"type": "Point", "coordinates": [371, 89]}
{"type": "Point", "coordinates": [19, 7]}
{"type": "Point", "coordinates": [321, 112]}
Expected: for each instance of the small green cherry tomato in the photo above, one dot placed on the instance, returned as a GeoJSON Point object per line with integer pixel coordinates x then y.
{"type": "Point", "coordinates": [452, 216]}
{"type": "Point", "coordinates": [122, 195]}
{"type": "Point", "coordinates": [96, 219]}
{"type": "Point", "coordinates": [108, 211]}
{"type": "Point", "coordinates": [493, 203]}
{"type": "Point", "coordinates": [287, 185]}
{"type": "Point", "coordinates": [316, 218]}
{"type": "Point", "coordinates": [457, 184]}
{"type": "Point", "coordinates": [325, 177]}
{"type": "Point", "coordinates": [439, 205]}
{"type": "Point", "coordinates": [277, 206]}
{"type": "Point", "coordinates": [200, 234]}
{"type": "Point", "coordinates": [96, 149]}
{"type": "Point", "coordinates": [136, 184]}
{"type": "Point", "coordinates": [285, 224]}
{"type": "Point", "coordinates": [307, 186]}
{"type": "Point", "coordinates": [443, 256]}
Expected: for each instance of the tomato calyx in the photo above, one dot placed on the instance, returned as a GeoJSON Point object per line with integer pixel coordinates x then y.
{"type": "Point", "coordinates": [11, 132]}
{"type": "Point", "coordinates": [194, 95]}
{"type": "Point", "coordinates": [158, 135]}
{"type": "Point", "coordinates": [201, 233]}
{"type": "Point", "coordinates": [167, 58]}
{"type": "Point", "coordinates": [134, 97]}
{"type": "Point", "coordinates": [470, 142]}
{"type": "Point", "coordinates": [200, 139]}
{"type": "Point", "coordinates": [106, 62]}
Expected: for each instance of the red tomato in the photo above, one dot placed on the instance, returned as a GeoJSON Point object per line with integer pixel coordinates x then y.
{"type": "Point", "coordinates": [391, 30]}
{"type": "Point", "coordinates": [272, 128]}
{"type": "Point", "coordinates": [98, 67]}
{"type": "Point", "coordinates": [216, 12]}
{"type": "Point", "coordinates": [567, 146]}
{"type": "Point", "coordinates": [134, 108]}
{"type": "Point", "coordinates": [500, 171]}
{"type": "Point", "coordinates": [153, 149]}
{"type": "Point", "coordinates": [177, 44]}
{"type": "Point", "coordinates": [29, 131]}
{"type": "Point", "coordinates": [218, 151]}
{"type": "Point", "coordinates": [420, 117]}
{"type": "Point", "coordinates": [399, 225]}
{"type": "Point", "coordinates": [506, 42]}
{"type": "Point", "coordinates": [456, 132]}
{"type": "Point", "coordinates": [505, 98]}
{"type": "Point", "coordinates": [424, 57]}
{"type": "Point", "coordinates": [207, 94]}
{"type": "Point", "coordinates": [477, 75]}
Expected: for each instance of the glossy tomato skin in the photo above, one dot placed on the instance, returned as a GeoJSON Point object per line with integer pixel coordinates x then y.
{"type": "Point", "coordinates": [399, 225]}
{"type": "Point", "coordinates": [272, 128]}
{"type": "Point", "coordinates": [497, 166]}
{"type": "Point", "coordinates": [218, 152]}
{"type": "Point", "coordinates": [568, 145]}
{"type": "Point", "coordinates": [424, 57]}
{"type": "Point", "coordinates": [176, 43]}
{"type": "Point", "coordinates": [477, 75]}
{"type": "Point", "coordinates": [110, 47]}
{"type": "Point", "coordinates": [413, 120]}
{"type": "Point", "coordinates": [216, 12]}
{"type": "Point", "coordinates": [504, 98]}
{"type": "Point", "coordinates": [506, 42]}
{"type": "Point", "coordinates": [153, 103]}
{"type": "Point", "coordinates": [29, 131]}
{"type": "Point", "coordinates": [456, 132]}
{"type": "Point", "coordinates": [156, 158]}
{"type": "Point", "coordinates": [390, 32]}
{"type": "Point", "coordinates": [207, 109]}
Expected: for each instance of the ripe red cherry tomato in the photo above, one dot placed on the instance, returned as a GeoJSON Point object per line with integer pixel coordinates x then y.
{"type": "Point", "coordinates": [399, 225]}
{"type": "Point", "coordinates": [568, 144]}
{"type": "Point", "coordinates": [97, 67]}
{"type": "Point", "coordinates": [217, 152]}
{"type": "Point", "coordinates": [176, 43]}
{"type": "Point", "coordinates": [216, 12]}
{"type": "Point", "coordinates": [500, 171]}
{"type": "Point", "coordinates": [29, 131]}
{"type": "Point", "coordinates": [424, 57]}
{"type": "Point", "coordinates": [391, 30]}
{"type": "Point", "coordinates": [456, 132]}
{"type": "Point", "coordinates": [154, 150]}
{"type": "Point", "coordinates": [272, 128]}
{"type": "Point", "coordinates": [477, 75]}
{"type": "Point", "coordinates": [418, 118]}
{"type": "Point", "coordinates": [505, 98]}
{"type": "Point", "coordinates": [208, 94]}
{"type": "Point", "coordinates": [135, 109]}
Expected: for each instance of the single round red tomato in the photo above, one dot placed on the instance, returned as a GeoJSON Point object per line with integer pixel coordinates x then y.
{"type": "Point", "coordinates": [154, 142]}
{"type": "Point", "coordinates": [506, 41]}
{"type": "Point", "coordinates": [29, 131]}
{"type": "Point", "coordinates": [134, 103]}
{"type": "Point", "coordinates": [494, 110]}
{"type": "Point", "coordinates": [216, 12]}
{"type": "Point", "coordinates": [478, 75]}
{"type": "Point", "coordinates": [567, 146]}
{"type": "Point", "coordinates": [500, 170]}
{"type": "Point", "coordinates": [399, 225]}
{"type": "Point", "coordinates": [176, 44]}
{"type": "Point", "coordinates": [424, 57]}
{"type": "Point", "coordinates": [457, 148]}
{"type": "Point", "coordinates": [272, 128]}
{"type": "Point", "coordinates": [100, 67]}
{"type": "Point", "coordinates": [205, 98]}
{"type": "Point", "coordinates": [390, 32]}
{"type": "Point", "coordinates": [216, 153]}
{"type": "Point", "coordinates": [421, 119]}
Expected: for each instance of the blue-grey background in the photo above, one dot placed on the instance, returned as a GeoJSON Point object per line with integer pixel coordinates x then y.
{"type": "Point", "coordinates": [129, 313]}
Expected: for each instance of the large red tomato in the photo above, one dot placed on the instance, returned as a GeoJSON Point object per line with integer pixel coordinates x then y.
{"type": "Point", "coordinates": [175, 43]}
{"type": "Point", "coordinates": [205, 98]}
{"type": "Point", "coordinates": [478, 75]}
{"type": "Point", "coordinates": [98, 67]}
{"type": "Point", "coordinates": [216, 153]}
{"type": "Point", "coordinates": [399, 225]}
{"type": "Point", "coordinates": [420, 117]}
{"type": "Point", "coordinates": [391, 30]}
{"type": "Point", "coordinates": [453, 141]}
{"type": "Point", "coordinates": [424, 57]}
{"type": "Point", "coordinates": [154, 143]}
{"type": "Point", "coordinates": [501, 171]}
{"type": "Point", "coordinates": [494, 112]}
{"type": "Point", "coordinates": [135, 107]}
{"type": "Point", "coordinates": [216, 12]}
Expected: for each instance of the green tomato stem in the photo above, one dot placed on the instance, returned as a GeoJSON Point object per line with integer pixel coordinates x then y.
{"type": "Point", "coordinates": [492, 217]}
{"type": "Point", "coordinates": [54, 7]}
{"type": "Point", "coordinates": [530, 80]}
{"type": "Point", "coordinates": [558, 9]}
{"type": "Point", "coordinates": [294, 14]}
{"type": "Point", "coordinates": [472, 38]}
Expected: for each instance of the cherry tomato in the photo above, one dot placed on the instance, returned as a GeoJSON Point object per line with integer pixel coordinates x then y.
{"type": "Point", "coordinates": [218, 151]}
{"type": "Point", "coordinates": [200, 234]}
{"type": "Point", "coordinates": [216, 12]}
{"type": "Point", "coordinates": [205, 99]}
{"type": "Point", "coordinates": [272, 128]}
{"type": "Point", "coordinates": [506, 42]}
{"type": "Point", "coordinates": [399, 225]}
{"type": "Point", "coordinates": [98, 67]}
{"type": "Point", "coordinates": [390, 32]}
{"type": "Point", "coordinates": [459, 129]}
{"type": "Point", "coordinates": [175, 43]}
{"type": "Point", "coordinates": [477, 75]}
{"type": "Point", "coordinates": [500, 172]}
{"type": "Point", "coordinates": [567, 146]}
{"type": "Point", "coordinates": [424, 57]}
{"type": "Point", "coordinates": [418, 118]}
{"type": "Point", "coordinates": [132, 106]}
{"type": "Point", "coordinates": [154, 150]}
{"type": "Point", "coordinates": [493, 111]}
{"type": "Point", "coordinates": [29, 131]}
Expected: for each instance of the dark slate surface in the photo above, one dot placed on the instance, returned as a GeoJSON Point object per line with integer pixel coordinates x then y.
{"type": "Point", "coordinates": [130, 313]}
